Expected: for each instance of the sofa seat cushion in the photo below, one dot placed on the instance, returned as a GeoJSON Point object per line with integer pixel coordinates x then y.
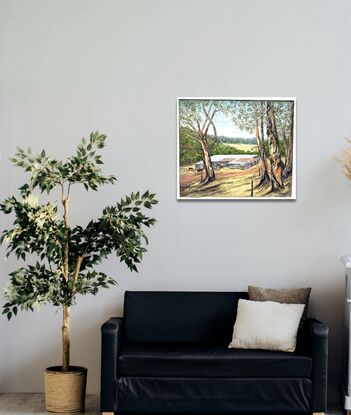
{"type": "Point", "coordinates": [172, 360]}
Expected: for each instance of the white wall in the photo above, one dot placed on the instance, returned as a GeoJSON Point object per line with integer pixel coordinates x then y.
{"type": "Point", "coordinates": [67, 68]}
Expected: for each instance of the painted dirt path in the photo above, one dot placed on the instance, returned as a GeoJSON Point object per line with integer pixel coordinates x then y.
{"type": "Point", "coordinates": [228, 183]}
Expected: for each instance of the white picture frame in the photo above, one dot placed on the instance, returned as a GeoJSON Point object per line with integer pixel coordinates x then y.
{"type": "Point", "coordinates": [194, 181]}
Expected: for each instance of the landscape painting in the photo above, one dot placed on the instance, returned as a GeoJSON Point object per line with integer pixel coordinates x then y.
{"type": "Point", "coordinates": [236, 148]}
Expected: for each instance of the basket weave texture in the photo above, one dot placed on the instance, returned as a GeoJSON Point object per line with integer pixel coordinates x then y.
{"type": "Point", "coordinates": [65, 391]}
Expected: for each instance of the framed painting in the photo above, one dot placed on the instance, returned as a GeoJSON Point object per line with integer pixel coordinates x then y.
{"type": "Point", "coordinates": [236, 148]}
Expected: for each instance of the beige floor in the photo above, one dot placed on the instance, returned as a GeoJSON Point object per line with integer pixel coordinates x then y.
{"type": "Point", "coordinates": [33, 403]}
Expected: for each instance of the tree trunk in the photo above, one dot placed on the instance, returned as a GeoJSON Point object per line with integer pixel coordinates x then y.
{"type": "Point", "coordinates": [66, 309]}
{"type": "Point", "coordinates": [200, 128]}
{"type": "Point", "coordinates": [289, 148]}
{"type": "Point", "coordinates": [262, 155]}
{"type": "Point", "coordinates": [210, 174]}
{"type": "Point", "coordinates": [276, 162]}
{"type": "Point", "coordinates": [262, 122]}
{"type": "Point", "coordinates": [66, 338]}
{"type": "Point", "coordinates": [66, 247]}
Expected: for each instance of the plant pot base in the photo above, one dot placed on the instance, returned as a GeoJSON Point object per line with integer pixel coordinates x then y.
{"type": "Point", "coordinates": [65, 391]}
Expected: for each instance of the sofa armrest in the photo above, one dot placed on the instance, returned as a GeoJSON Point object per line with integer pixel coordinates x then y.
{"type": "Point", "coordinates": [111, 337]}
{"type": "Point", "coordinates": [316, 345]}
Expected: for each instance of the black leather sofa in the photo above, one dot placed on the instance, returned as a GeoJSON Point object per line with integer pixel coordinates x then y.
{"type": "Point", "coordinates": [169, 354]}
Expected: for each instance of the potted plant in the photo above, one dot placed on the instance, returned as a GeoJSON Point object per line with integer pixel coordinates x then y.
{"type": "Point", "coordinates": [67, 255]}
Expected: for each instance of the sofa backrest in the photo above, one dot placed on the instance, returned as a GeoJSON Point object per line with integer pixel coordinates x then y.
{"type": "Point", "coordinates": [168, 316]}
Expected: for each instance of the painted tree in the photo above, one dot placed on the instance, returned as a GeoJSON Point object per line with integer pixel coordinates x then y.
{"type": "Point", "coordinates": [285, 127]}
{"type": "Point", "coordinates": [276, 163]}
{"type": "Point", "coordinates": [250, 116]}
{"type": "Point", "coordinates": [189, 149]}
{"type": "Point", "coordinates": [196, 122]}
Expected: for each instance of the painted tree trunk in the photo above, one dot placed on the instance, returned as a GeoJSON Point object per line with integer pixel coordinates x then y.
{"type": "Point", "coordinates": [262, 156]}
{"type": "Point", "coordinates": [66, 338]}
{"type": "Point", "coordinates": [210, 174]}
{"type": "Point", "coordinates": [262, 120]}
{"type": "Point", "coordinates": [289, 148]}
{"type": "Point", "coordinates": [277, 165]}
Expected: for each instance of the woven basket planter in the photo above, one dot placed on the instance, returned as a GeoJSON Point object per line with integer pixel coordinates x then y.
{"type": "Point", "coordinates": [65, 391]}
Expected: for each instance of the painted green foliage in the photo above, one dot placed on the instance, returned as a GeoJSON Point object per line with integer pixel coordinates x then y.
{"type": "Point", "coordinates": [39, 229]}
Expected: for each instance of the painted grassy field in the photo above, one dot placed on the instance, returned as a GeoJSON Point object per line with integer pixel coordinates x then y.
{"type": "Point", "coordinates": [244, 147]}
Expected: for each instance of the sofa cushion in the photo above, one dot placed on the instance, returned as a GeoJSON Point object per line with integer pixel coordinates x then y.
{"type": "Point", "coordinates": [197, 317]}
{"type": "Point", "coordinates": [148, 395]}
{"type": "Point", "coordinates": [266, 325]}
{"type": "Point", "coordinates": [285, 296]}
{"type": "Point", "coordinates": [166, 360]}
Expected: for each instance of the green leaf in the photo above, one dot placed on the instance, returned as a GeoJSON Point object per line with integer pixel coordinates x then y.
{"type": "Point", "coordinates": [39, 231]}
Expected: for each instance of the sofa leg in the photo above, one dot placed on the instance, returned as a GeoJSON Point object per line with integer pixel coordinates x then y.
{"type": "Point", "coordinates": [318, 413]}
{"type": "Point", "coordinates": [107, 413]}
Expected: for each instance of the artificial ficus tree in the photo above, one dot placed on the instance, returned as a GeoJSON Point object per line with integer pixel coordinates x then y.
{"type": "Point", "coordinates": [68, 255]}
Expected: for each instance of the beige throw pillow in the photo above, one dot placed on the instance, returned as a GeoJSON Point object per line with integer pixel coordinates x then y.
{"type": "Point", "coordinates": [286, 296]}
{"type": "Point", "coordinates": [266, 325]}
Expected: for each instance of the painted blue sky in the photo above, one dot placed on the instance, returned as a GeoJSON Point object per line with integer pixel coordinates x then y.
{"type": "Point", "coordinates": [225, 126]}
